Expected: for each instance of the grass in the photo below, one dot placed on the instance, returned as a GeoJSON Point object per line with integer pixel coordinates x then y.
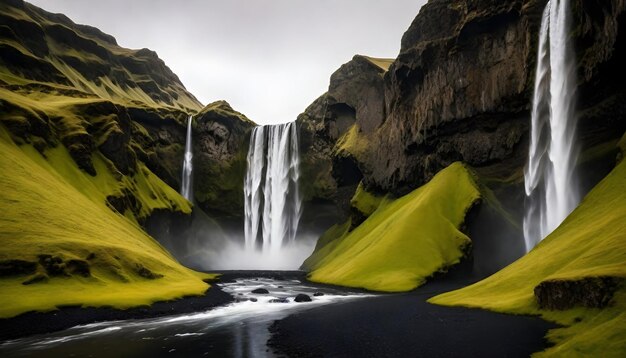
{"type": "Point", "coordinates": [591, 242]}
{"type": "Point", "coordinates": [364, 201]}
{"type": "Point", "coordinates": [45, 214]}
{"type": "Point", "coordinates": [90, 64]}
{"type": "Point", "coordinates": [404, 241]}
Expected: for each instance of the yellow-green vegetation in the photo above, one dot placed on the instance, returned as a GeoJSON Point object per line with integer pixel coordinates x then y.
{"type": "Point", "coordinates": [352, 142]}
{"type": "Point", "coordinates": [591, 242]}
{"type": "Point", "coordinates": [47, 49]}
{"type": "Point", "coordinates": [404, 241]}
{"type": "Point", "coordinates": [224, 110]}
{"type": "Point", "coordinates": [383, 63]}
{"type": "Point", "coordinates": [365, 202]}
{"type": "Point", "coordinates": [58, 236]}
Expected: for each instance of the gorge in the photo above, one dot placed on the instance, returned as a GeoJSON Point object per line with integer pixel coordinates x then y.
{"type": "Point", "coordinates": [482, 167]}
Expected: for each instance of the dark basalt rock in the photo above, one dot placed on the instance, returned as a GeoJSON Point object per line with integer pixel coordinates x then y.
{"type": "Point", "coordinates": [318, 294]}
{"type": "Point", "coordinates": [592, 292]}
{"type": "Point", "coordinates": [220, 140]}
{"type": "Point", "coordinates": [460, 90]}
{"type": "Point", "coordinates": [17, 268]}
{"type": "Point", "coordinates": [261, 291]}
{"type": "Point", "coordinates": [301, 297]}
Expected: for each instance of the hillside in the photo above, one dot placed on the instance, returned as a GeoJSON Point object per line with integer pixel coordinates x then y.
{"type": "Point", "coordinates": [403, 241]}
{"type": "Point", "coordinates": [569, 276]}
{"type": "Point", "coordinates": [92, 136]}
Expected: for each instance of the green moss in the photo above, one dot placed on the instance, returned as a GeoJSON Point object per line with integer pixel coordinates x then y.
{"type": "Point", "coordinates": [405, 240]}
{"type": "Point", "coordinates": [352, 142]}
{"type": "Point", "coordinates": [326, 244]}
{"type": "Point", "coordinates": [365, 202]}
{"type": "Point", "coordinates": [45, 214]}
{"type": "Point", "coordinates": [591, 242]}
{"type": "Point", "coordinates": [220, 190]}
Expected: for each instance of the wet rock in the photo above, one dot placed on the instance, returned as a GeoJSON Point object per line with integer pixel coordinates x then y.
{"type": "Point", "coordinates": [279, 300]}
{"type": "Point", "coordinates": [253, 299]}
{"type": "Point", "coordinates": [261, 291]}
{"type": "Point", "coordinates": [593, 292]}
{"type": "Point", "coordinates": [318, 294]}
{"type": "Point", "coordinates": [301, 297]}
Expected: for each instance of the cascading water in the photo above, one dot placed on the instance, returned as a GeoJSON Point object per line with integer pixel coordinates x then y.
{"type": "Point", "coordinates": [186, 187]}
{"type": "Point", "coordinates": [273, 205]}
{"type": "Point", "coordinates": [550, 186]}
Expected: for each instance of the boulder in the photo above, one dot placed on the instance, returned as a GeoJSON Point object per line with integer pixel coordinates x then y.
{"type": "Point", "coordinates": [301, 297]}
{"type": "Point", "coordinates": [260, 291]}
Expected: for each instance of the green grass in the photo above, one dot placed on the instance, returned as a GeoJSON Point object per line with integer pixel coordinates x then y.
{"type": "Point", "coordinates": [591, 242]}
{"type": "Point", "coordinates": [364, 201]}
{"type": "Point", "coordinates": [44, 213]}
{"type": "Point", "coordinates": [404, 241]}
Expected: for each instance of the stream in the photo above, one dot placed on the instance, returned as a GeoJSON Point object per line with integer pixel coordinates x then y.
{"type": "Point", "coordinates": [239, 329]}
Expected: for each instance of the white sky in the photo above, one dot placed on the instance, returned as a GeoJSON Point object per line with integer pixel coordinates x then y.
{"type": "Point", "coordinates": [268, 58]}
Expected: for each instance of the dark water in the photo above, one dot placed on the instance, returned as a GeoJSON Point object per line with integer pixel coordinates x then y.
{"type": "Point", "coordinates": [239, 329]}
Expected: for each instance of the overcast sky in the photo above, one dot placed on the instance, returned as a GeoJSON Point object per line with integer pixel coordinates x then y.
{"type": "Point", "coordinates": [268, 58]}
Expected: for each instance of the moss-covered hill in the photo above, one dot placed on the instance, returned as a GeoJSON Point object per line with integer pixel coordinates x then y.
{"type": "Point", "coordinates": [575, 277]}
{"type": "Point", "coordinates": [403, 241]}
{"type": "Point", "coordinates": [62, 245]}
{"type": "Point", "coordinates": [91, 145]}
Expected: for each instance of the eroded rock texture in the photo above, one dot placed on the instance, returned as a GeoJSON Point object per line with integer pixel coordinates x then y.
{"type": "Point", "coordinates": [460, 89]}
{"type": "Point", "coordinates": [592, 292]}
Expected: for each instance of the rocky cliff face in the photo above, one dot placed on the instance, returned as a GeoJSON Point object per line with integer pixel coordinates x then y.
{"type": "Point", "coordinates": [334, 130]}
{"type": "Point", "coordinates": [70, 85]}
{"type": "Point", "coordinates": [220, 148]}
{"type": "Point", "coordinates": [460, 90]}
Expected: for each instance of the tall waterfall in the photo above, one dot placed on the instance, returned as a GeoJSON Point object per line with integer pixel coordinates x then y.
{"type": "Point", "coordinates": [186, 187]}
{"type": "Point", "coordinates": [550, 185]}
{"type": "Point", "coordinates": [273, 204]}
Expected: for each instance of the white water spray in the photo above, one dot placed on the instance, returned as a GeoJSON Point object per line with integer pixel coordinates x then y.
{"type": "Point", "coordinates": [551, 190]}
{"type": "Point", "coordinates": [186, 187]}
{"type": "Point", "coordinates": [273, 205]}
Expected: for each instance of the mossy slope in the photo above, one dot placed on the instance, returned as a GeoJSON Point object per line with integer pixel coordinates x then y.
{"type": "Point", "coordinates": [95, 256]}
{"type": "Point", "coordinates": [41, 47]}
{"type": "Point", "coordinates": [591, 242]}
{"type": "Point", "coordinates": [404, 241]}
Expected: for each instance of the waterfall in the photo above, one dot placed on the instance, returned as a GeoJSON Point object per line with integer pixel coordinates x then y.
{"type": "Point", "coordinates": [551, 191]}
{"type": "Point", "coordinates": [186, 187]}
{"type": "Point", "coordinates": [273, 205]}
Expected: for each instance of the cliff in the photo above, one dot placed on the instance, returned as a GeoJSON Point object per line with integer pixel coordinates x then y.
{"type": "Point", "coordinates": [460, 90]}
{"type": "Point", "coordinates": [92, 138]}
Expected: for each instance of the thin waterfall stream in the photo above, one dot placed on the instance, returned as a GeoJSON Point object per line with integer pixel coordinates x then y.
{"type": "Point", "coordinates": [186, 189]}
